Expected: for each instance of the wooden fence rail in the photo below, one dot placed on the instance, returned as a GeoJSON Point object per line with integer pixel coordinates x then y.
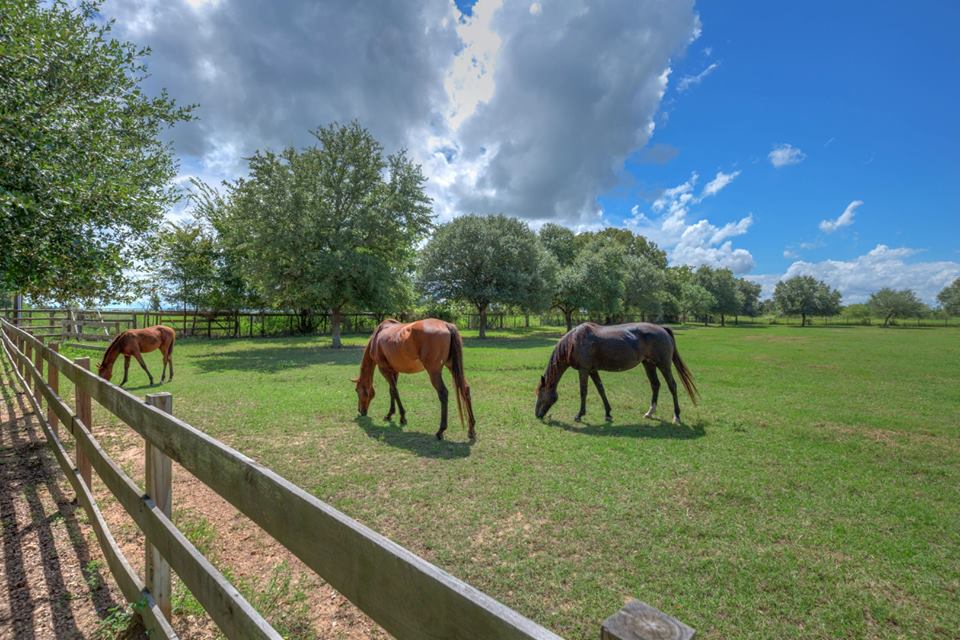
{"type": "Point", "coordinates": [405, 594]}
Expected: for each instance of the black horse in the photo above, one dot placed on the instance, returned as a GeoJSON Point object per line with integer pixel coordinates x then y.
{"type": "Point", "coordinates": [590, 348]}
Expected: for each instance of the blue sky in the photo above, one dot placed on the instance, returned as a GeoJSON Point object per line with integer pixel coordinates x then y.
{"type": "Point", "coordinates": [662, 116]}
{"type": "Point", "coordinates": [867, 92]}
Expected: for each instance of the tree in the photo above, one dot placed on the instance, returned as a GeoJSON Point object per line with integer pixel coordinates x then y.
{"type": "Point", "coordinates": [890, 303]}
{"type": "Point", "coordinates": [84, 175]}
{"type": "Point", "coordinates": [695, 300]}
{"type": "Point", "coordinates": [805, 295]}
{"type": "Point", "coordinates": [643, 281]}
{"type": "Point", "coordinates": [559, 242]}
{"type": "Point", "coordinates": [949, 298]}
{"type": "Point", "coordinates": [482, 260]}
{"type": "Point", "coordinates": [722, 285]}
{"type": "Point", "coordinates": [750, 297]}
{"type": "Point", "coordinates": [327, 227]}
{"type": "Point", "coordinates": [187, 271]}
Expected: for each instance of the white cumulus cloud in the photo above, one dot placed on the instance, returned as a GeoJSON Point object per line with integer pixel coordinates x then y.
{"type": "Point", "coordinates": [783, 155]}
{"type": "Point", "coordinates": [698, 242]}
{"type": "Point", "coordinates": [845, 219]}
{"type": "Point", "coordinates": [883, 266]}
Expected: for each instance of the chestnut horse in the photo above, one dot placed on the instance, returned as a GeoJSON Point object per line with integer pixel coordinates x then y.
{"type": "Point", "coordinates": [133, 342]}
{"type": "Point", "coordinates": [397, 348]}
{"type": "Point", "coordinates": [590, 348]}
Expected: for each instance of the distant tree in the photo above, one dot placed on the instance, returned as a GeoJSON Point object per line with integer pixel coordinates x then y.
{"type": "Point", "coordinates": [890, 303]}
{"type": "Point", "coordinates": [631, 243]}
{"type": "Point", "coordinates": [722, 285]}
{"type": "Point", "coordinates": [560, 242]}
{"type": "Point", "coordinates": [155, 304]}
{"type": "Point", "coordinates": [328, 227]}
{"type": "Point", "coordinates": [482, 260]}
{"type": "Point", "coordinates": [601, 266]}
{"type": "Point", "coordinates": [643, 282]}
{"type": "Point", "coordinates": [749, 297]}
{"type": "Point", "coordinates": [949, 298]}
{"type": "Point", "coordinates": [186, 273]}
{"type": "Point", "coordinates": [859, 312]}
{"type": "Point", "coordinates": [804, 296]}
{"type": "Point", "coordinates": [84, 173]}
{"type": "Point", "coordinates": [695, 300]}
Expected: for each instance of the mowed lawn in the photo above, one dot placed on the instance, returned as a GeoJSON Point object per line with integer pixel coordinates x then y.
{"type": "Point", "coordinates": [815, 492]}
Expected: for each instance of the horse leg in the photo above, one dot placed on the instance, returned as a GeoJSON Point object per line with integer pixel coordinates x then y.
{"type": "Point", "coordinates": [136, 354]}
{"type": "Point", "coordinates": [163, 374]}
{"type": "Point", "coordinates": [665, 370]}
{"type": "Point", "coordinates": [437, 380]}
{"type": "Point", "coordinates": [584, 376]}
{"type": "Point", "coordinates": [595, 376]}
{"type": "Point", "coordinates": [126, 369]}
{"type": "Point", "coordinates": [386, 376]}
{"type": "Point", "coordinates": [654, 387]}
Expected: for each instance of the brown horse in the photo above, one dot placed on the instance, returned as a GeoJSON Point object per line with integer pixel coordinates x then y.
{"type": "Point", "coordinates": [590, 348]}
{"type": "Point", "coordinates": [133, 342]}
{"type": "Point", "coordinates": [397, 348]}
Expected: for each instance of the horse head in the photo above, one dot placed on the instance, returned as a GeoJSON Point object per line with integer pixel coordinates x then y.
{"type": "Point", "coordinates": [365, 395]}
{"type": "Point", "coordinates": [546, 397]}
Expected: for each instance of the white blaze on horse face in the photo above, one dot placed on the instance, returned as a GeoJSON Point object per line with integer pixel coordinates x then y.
{"type": "Point", "coordinates": [652, 410]}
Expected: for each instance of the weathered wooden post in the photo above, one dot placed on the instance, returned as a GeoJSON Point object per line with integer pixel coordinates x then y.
{"type": "Point", "coordinates": [639, 621]}
{"type": "Point", "coordinates": [84, 409]}
{"type": "Point", "coordinates": [25, 363]}
{"type": "Point", "coordinates": [53, 379]}
{"type": "Point", "coordinates": [159, 486]}
{"type": "Point", "coordinates": [38, 363]}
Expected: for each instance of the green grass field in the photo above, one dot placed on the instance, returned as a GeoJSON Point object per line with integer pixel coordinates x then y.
{"type": "Point", "coordinates": [814, 493]}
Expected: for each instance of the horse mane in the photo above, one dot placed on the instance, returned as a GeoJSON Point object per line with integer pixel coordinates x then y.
{"type": "Point", "coordinates": [560, 358]}
{"type": "Point", "coordinates": [114, 346]}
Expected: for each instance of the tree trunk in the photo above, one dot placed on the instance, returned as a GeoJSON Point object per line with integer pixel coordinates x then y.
{"type": "Point", "coordinates": [803, 319]}
{"type": "Point", "coordinates": [482, 308]}
{"type": "Point", "coordinates": [723, 320]}
{"type": "Point", "coordinates": [335, 328]}
{"type": "Point", "coordinates": [526, 320]}
{"type": "Point", "coordinates": [568, 316]}
{"type": "Point", "coordinates": [886, 321]}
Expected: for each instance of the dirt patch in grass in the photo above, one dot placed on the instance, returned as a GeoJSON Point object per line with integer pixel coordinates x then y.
{"type": "Point", "coordinates": [285, 591]}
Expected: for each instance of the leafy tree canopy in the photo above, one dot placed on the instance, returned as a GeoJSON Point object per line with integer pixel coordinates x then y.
{"type": "Point", "coordinates": [949, 298]}
{"type": "Point", "coordinates": [891, 303]}
{"type": "Point", "coordinates": [84, 176]}
{"type": "Point", "coordinates": [804, 296]}
{"type": "Point", "coordinates": [327, 227]}
{"type": "Point", "coordinates": [483, 260]}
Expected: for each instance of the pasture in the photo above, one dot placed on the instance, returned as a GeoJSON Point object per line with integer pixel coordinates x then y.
{"type": "Point", "coordinates": [815, 492]}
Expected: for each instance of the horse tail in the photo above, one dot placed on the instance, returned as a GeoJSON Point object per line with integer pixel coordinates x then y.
{"type": "Point", "coordinates": [456, 368]}
{"type": "Point", "coordinates": [685, 376]}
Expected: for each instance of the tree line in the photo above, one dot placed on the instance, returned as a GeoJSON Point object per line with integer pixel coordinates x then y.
{"type": "Point", "coordinates": [338, 226]}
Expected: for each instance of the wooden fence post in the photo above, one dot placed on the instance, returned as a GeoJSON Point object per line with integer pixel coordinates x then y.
{"type": "Point", "coordinates": [639, 621]}
{"type": "Point", "coordinates": [159, 486]}
{"type": "Point", "coordinates": [38, 363]}
{"type": "Point", "coordinates": [25, 365]}
{"type": "Point", "coordinates": [53, 379]}
{"type": "Point", "coordinates": [84, 409]}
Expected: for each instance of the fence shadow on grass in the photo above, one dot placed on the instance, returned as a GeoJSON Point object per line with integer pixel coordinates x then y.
{"type": "Point", "coordinates": [424, 445]}
{"type": "Point", "coordinates": [656, 429]}
{"type": "Point", "coordinates": [27, 468]}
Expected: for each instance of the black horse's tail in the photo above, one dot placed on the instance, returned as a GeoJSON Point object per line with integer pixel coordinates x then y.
{"type": "Point", "coordinates": [685, 376]}
{"type": "Point", "coordinates": [456, 368]}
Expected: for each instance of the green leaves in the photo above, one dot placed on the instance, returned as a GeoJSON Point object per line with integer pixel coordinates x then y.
{"type": "Point", "coordinates": [84, 177]}
{"type": "Point", "coordinates": [949, 298]}
{"type": "Point", "coordinates": [891, 303]}
{"type": "Point", "coordinates": [805, 295]}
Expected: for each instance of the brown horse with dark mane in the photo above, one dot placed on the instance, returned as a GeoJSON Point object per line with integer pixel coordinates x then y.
{"type": "Point", "coordinates": [134, 342]}
{"type": "Point", "coordinates": [591, 348]}
{"type": "Point", "coordinates": [429, 344]}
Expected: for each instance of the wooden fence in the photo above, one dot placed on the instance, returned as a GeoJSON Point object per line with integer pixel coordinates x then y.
{"type": "Point", "coordinates": [403, 593]}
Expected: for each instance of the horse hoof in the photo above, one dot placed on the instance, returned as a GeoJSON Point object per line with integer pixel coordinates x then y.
{"type": "Point", "coordinates": [648, 414]}
{"type": "Point", "coordinates": [387, 418]}
{"type": "Point", "coordinates": [439, 435]}
{"type": "Point", "coordinates": [608, 418]}
{"type": "Point", "coordinates": [403, 421]}
{"type": "Point", "coordinates": [472, 436]}
{"type": "Point", "coordinates": [676, 420]}
{"type": "Point", "coordinates": [577, 418]}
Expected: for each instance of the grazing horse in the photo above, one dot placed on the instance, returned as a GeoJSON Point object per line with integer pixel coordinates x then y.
{"type": "Point", "coordinates": [590, 348]}
{"type": "Point", "coordinates": [133, 342]}
{"type": "Point", "coordinates": [397, 348]}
